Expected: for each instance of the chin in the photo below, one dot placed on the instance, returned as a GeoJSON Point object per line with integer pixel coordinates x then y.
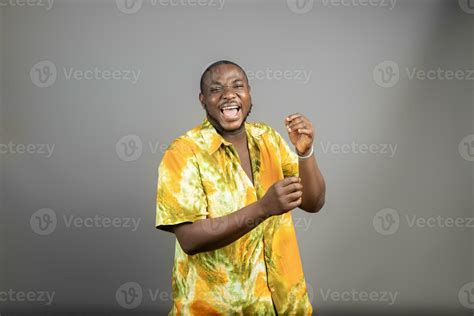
{"type": "Point", "coordinates": [227, 126]}
{"type": "Point", "coordinates": [231, 127]}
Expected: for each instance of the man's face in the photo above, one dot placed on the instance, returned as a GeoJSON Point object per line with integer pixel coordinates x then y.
{"type": "Point", "coordinates": [226, 98]}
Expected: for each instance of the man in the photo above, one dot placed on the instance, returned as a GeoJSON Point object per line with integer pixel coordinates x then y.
{"type": "Point", "coordinates": [225, 189]}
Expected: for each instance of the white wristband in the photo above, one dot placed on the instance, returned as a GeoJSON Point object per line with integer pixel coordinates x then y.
{"type": "Point", "coordinates": [308, 155]}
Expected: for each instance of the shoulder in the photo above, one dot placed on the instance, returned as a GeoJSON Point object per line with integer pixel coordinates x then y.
{"type": "Point", "coordinates": [187, 142]}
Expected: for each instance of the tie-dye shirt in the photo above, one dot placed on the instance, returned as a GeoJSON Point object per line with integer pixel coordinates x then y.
{"type": "Point", "coordinates": [200, 177]}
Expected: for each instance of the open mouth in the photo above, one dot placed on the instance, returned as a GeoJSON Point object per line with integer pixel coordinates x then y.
{"type": "Point", "coordinates": [231, 112]}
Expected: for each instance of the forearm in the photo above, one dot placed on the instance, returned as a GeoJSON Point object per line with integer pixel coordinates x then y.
{"type": "Point", "coordinates": [213, 233]}
{"type": "Point", "coordinates": [314, 187]}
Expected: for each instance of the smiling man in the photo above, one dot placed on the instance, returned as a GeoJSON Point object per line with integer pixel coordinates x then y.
{"type": "Point", "coordinates": [226, 189]}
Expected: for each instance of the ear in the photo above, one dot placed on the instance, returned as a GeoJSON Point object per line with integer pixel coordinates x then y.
{"type": "Point", "coordinates": [201, 99]}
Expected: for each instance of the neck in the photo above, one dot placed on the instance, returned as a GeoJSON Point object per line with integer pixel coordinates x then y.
{"type": "Point", "coordinates": [237, 136]}
{"type": "Point", "coordinates": [234, 136]}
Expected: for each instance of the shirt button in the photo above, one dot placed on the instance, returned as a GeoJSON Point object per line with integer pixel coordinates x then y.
{"type": "Point", "coordinates": [272, 289]}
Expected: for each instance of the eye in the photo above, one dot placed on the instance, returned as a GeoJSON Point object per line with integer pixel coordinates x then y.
{"type": "Point", "coordinates": [216, 89]}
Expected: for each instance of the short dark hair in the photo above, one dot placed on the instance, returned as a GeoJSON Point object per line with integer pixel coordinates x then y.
{"type": "Point", "coordinates": [218, 63]}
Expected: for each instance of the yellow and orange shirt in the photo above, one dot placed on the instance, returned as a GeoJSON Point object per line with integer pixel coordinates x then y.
{"type": "Point", "coordinates": [200, 177]}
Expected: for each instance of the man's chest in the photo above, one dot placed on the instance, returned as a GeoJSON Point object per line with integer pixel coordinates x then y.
{"type": "Point", "coordinates": [245, 161]}
{"type": "Point", "coordinates": [234, 178]}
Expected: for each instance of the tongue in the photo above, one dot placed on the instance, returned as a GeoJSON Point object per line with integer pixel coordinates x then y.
{"type": "Point", "coordinates": [230, 114]}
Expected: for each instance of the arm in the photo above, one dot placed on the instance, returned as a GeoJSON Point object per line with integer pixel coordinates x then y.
{"type": "Point", "coordinates": [314, 186]}
{"type": "Point", "coordinates": [213, 233]}
{"type": "Point", "coordinates": [301, 135]}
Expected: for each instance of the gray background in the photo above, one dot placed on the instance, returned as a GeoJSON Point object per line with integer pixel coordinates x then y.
{"type": "Point", "coordinates": [341, 249]}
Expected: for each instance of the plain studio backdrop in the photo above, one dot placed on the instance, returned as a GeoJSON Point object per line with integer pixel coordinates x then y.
{"type": "Point", "coordinates": [92, 92]}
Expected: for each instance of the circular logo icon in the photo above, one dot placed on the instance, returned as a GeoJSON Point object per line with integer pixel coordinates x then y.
{"type": "Point", "coordinates": [466, 295]}
{"type": "Point", "coordinates": [300, 6]}
{"type": "Point", "coordinates": [43, 74]}
{"type": "Point", "coordinates": [129, 148]}
{"type": "Point", "coordinates": [466, 147]}
{"type": "Point", "coordinates": [386, 74]}
{"type": "Point", "coordinates": [129, 295]}
{"type": "Point", "coordinates": [129, 6]}
{"type": "Point", "coordinates": [386, 221]}
{"type": "Point", "coordinates": [43, 221]}
{"type": "Point", "coordinates": [467, 6]}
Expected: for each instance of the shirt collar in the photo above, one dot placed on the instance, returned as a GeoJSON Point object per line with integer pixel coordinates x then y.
{"type": "Point", "coordinates": [213, 140]}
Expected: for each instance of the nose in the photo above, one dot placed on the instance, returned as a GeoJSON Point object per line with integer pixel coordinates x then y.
{"type": "Point", "coordinates": [228, 93]}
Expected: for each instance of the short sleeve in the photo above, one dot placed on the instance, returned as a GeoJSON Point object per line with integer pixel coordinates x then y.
{"type": "Point", "coordinates": [180, 195]}
{"type": "Point", "coordinates": [289, 159]}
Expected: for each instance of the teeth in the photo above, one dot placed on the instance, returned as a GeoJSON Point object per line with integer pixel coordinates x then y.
{"type": "Point", "coordinates": [230, 107]}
